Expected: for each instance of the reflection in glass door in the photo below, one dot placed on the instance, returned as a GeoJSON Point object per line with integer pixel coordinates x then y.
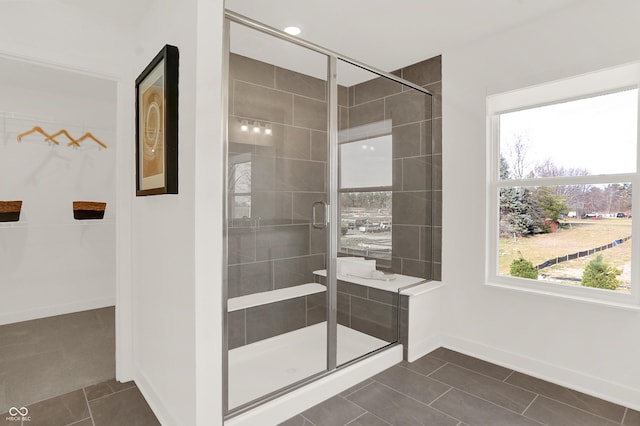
{"type": "Point", "coordinates": [328, 200]}
{"type": "Point", "coordinates": [276, 216]}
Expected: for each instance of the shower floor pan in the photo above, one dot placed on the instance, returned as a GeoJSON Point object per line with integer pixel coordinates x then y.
{"type": "Point", "coordinates": [263, 367]}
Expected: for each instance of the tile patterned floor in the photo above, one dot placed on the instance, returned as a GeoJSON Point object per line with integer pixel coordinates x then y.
{"type": "Point", "coordinates": [446, 388]}
{"type": "Point", "coordinates": [108, 403]}
{"type": "Point", "coordinates": [47, 357]}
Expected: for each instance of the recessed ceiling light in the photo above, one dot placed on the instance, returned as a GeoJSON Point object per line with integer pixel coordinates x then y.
{"type": "Point", "coordinates": [292, 30]}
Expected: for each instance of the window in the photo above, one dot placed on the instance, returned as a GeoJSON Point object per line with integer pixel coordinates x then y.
{"type": "Point", "coordinates": [365, 197]}
{"type": "Point", "coordinates": [563, 167]}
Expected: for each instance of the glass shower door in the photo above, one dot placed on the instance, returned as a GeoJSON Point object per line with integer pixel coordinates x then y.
{"type": "Point", "coordinates": [276, 215]}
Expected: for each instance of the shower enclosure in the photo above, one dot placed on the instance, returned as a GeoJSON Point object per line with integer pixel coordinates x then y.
{"type": "Point", "coordinates": [328, 210]}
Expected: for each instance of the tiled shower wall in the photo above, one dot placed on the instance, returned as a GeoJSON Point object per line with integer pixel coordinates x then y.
{"type": "Point", "coordinates": [277, 246]}
{"type": "Point", "coordinates": [417, 161]}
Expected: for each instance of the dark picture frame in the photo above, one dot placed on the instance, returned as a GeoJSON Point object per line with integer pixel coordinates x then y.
{"type": "Point", "coordinates": [157, 125]}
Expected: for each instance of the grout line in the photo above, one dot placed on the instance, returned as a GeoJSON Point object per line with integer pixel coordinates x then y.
{"type": "Point", "coordinates": [496, 405]}
{"type": "Point", "coordinates": [510, 374]}
{"type": "Point", "coordinates": [530, 404]}
{"type": "Point", "coordinates": [113, 393]}
{"type": "Point", "coordinates": [78, 422]}
{"type": "Point", "coordinates": [351, 421]}
{"type": "Point", "coordinates": [583, 410]}
{"type": "Point", "coordinates": [306, 419]}
{"type": "Point", "coordinates": [624, 417]}
{"type": "Point", "coordinates": [86, 399]}
{"type": "Point", "coordinates": [443, 394]}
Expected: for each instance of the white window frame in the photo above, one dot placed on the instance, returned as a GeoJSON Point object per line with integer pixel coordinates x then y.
{"type": "Point", "coordinates": [574, 88]}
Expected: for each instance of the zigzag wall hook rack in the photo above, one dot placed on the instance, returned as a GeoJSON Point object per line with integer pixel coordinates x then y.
{"type": "Point", "coordinates": [52, 138]}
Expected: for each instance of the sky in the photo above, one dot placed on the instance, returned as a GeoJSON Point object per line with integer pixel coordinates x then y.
{"type": "Point", "coordinates": [598, 133]}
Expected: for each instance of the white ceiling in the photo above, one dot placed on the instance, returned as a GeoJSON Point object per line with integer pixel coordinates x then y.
{"type": "Point", "coordinates": [392, 34]}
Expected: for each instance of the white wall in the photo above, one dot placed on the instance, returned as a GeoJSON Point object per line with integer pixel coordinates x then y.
{"type": "Point", "coordinates": [49, 263]}
{"type": "Point", "coordinates": [590, 347]}
{"type": "Point", "coordinates": [171, 302]}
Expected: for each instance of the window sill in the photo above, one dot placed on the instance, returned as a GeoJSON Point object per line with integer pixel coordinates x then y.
{"type": "Point", "coordinates": [626, 302]}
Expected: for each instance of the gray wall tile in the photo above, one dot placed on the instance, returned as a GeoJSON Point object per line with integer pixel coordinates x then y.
{"type": "Point", "coordinates": [437, 244]}
{"type": "Point", "coordinates": [300, 84]}
{"type": "Point", "coordinates": [241, 245]}
{"type": "Point", "coordinates": [426, 243]}
{"type": "Point", "coordinates": [251, 70]}
{"type": "Point", "coordinates": [316, 308]}
{"type": "Point", "coordinates": [318, 243]}
{"type": "Point", "coordinates": [249, 278]}
{"type": "Point", "coordinates": [261, 103]}
{"type": "Point", "coordinates": [300, 175]}
{"type": "Point", "coordinates": [271, 207]}
{"type": "Point", "coordinates": [318, 145]}
{"type": "Point", "coordinates": [437, 135]}
{"type": "Point", "coordinates": [280, 242]}
{"type": "Point", "coordinates": [310, 113]}
{"type": "Point", "coordinates": [351, 288]}
{"type": "Point", "coordinates": [405, 241]}
{"type": "Point", "coordinates": [302, 204]}
{"type": "Point", "coordinates": [263, 171]}
{"type": "Point", "coordinates": [373, 318]}
{"type": "Point", "coordinates": [411, 208]}
{"type": "Point", "coordinates": [425, 72]}
{"type": "Point", "coordinates": [407, 107]}
{"type": "Point", "coordinates": [370, 112]}
{"type": "Point", "coordinates": [296, 271]}
{"type": "Point", "coordinates": [383, 296]}
{"type": "Point", "coordinates": [436, 90]}
{"type": "Point", "coordinates": [436, 163]}
{"type": "Point", "coordinates": [343, 96]}
{"type": "Point", "coordinates": [272, 319]}
{"type": "Point", "coordinates": [407, 140]}
{"type": "Point", "coordinates": [416, 173]}
{"type": "Point", "coordinates": [396, 174]}
{"type": "Point", "coordinates": [427, 137]}
{"type": "Point", "coordinates": [344, 309]}
{"type": "Point", "coordinates": [236, 328]}
{"type": "Point", "coordinates": [286, 142]}
{"type": "Point", "coordinates": [417, 268]}
{"type": "Point", "coordinates": [437, 209]}
{"type": "Point", "coordinates": [375, 88]}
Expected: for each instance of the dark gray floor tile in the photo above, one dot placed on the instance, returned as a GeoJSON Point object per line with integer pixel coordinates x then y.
{"type": "Point", "coordinates": [477, 412]}
{"type": "Point", "coordinates": [498, 392]}
{"type": "Point", "coordinates": [61, 410]}
{"type": "Point", "coordinates": [106, 388]}
{"type": "Point", "coordinates": [397, 409]}
{"type": "Point", "coordinates": [85, 422]}
{"type": "Point", "coordinates": [8, 420]}
{"type": "Point", "coordinates": [127, 407]}
{"type": "Point", "coordinates": [554, 413]}
{"type": "Point", "coordinates": [334, 411]}
{"type": "Point", "coordinates": [632, 418]}
{"type": "Point", "coordinates": [368, 419]}
{"type": "Point", "coordinates": [477, 365]}
{"type": "Point", "coordinates": [425, 365]}
{"type": "Point", "coordinates": [574, 398]}
{"type": "Point", "coordinates": [297, 421]}
{"type": "Point", "coordinates": [357, 387]}
{"type": "Point", "coordinates": [412, 384]}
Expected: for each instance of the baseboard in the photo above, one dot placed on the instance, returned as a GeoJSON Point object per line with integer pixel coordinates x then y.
{"type": "Point", "coordinates": [422, 348]}
{"type": "Point", "coordinates": [153, 399]}
{"type": "Point", "coordinates": [50, 311]}
{"type": "Point", "coordinates": [585, 383]}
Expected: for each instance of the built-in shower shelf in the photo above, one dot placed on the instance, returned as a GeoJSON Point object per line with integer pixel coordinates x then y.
{"type": "Point", "coordinates": [265, 297]}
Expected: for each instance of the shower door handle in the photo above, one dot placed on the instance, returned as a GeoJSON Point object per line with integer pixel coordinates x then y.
{"type": "Point", "coordinates": [314, 208]}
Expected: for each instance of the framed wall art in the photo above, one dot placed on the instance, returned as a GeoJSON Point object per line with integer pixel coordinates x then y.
{"type": "Point", "coordinates": [157, 125]}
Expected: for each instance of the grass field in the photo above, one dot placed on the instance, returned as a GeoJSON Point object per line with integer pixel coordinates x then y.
{"type": "Point", "coordinates": [573, 236]}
